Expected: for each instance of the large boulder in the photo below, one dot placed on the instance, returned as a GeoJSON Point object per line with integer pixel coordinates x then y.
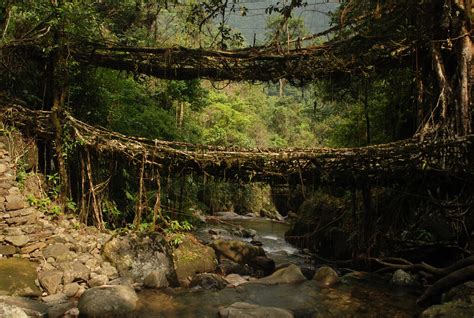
{"type": "Point", "coordinates": [156, 279]}
{"type": "Point", "coordinates": [326, 276]}
{"type": "Point", "coordinates": [17, 277]}
{"type": "Point", "coordinates": [462, 292]}
{"type": "Point", "coordinates": [262, 265]}
{"type": "Point", "coordinates": [287, 275]}
{"type": "Point", "coordinates": [402, 278]}
{"type": "Point", "coordinates": [50, 280]}
{"type": "Point", "coordinates": [456, 309]}
{"type": "Point", "coordinates": [59, 251]}
{"type": "Point", "coordinates": [11, 311]}
{"type": "Point", "coordinates": [74, 271]}
{"type": "Point", "coordinates": [137, 255]}
{"type": "Point", "coordinates": [108, 301]}
{"type": "Point", "coordinates": [192, 257]}
{"type": "Point", "coordinates": [32, 308]}
{"type": "Point", "coordinates": [237, 251]}
{"type": "Point", "coordinates": [245, 310]}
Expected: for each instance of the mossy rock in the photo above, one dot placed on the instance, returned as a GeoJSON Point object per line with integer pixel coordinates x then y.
{"type": "Point", "coordinates": [17, 277]}
{"type": "Point", "coordinates": [192, 257]}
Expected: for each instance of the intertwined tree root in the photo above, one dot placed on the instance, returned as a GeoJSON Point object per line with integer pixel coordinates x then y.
{"type": "Point", "coordinates": [448, 277]}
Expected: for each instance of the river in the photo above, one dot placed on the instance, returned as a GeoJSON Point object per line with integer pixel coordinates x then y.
{"type": "Point", "coordinates": [356, 295]}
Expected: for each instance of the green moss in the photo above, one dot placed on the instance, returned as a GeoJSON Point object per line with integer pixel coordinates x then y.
{"type": "Point", "coordinates": [17, 277]}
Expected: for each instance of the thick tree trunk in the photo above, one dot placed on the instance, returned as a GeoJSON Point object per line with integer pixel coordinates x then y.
{"type": "Point", "coordinates": [445, 92]}
{"type": "Point", "coordinates": [451, 57]}
{"type": "Point", "coordinates": [5, 15]}
{"type": "Point", "coordinates": [464, 57]}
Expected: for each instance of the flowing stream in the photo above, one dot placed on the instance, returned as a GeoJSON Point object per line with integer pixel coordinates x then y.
{"type": "Point", "coordinates": [356, 295]}
{"type": "Point", "coordinates": [270, 233]}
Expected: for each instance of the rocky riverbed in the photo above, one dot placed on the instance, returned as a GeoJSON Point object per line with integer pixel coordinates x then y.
{"type": "Point", "coordinates": [53, 266]}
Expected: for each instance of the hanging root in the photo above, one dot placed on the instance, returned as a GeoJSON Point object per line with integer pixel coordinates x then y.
{"type": "Point", "coordinates": [451, 276]}
{"type": "Point", "coordinates": [434, 292]}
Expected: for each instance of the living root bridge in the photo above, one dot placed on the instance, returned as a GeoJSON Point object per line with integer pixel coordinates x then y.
{"type": "Point", "coordinates": [400, 160]}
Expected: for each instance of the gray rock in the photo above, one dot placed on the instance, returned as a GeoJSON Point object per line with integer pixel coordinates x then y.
{"type": "Point", "coordinates": [156, 279]}
{"type": "Point", "coordinates": [75, 271]}
{"type": "Point", "coordinates": [14, 202]}
{"type": "Point", "coordinates": [7, 250]}
{"type": "Point", "coordinates": [402, 278]}
{"type": "Point", "coordinates": [71, 289]}
{"type": "Point", "coordinates": [97, 280]}
{"type": "Point", "coordinates": [462, 292]}
{"type": "Point", "coordinates": [59, 252]}
{"type": "Point", "coordinates": [219, 232]}
{"type": "Point", "coordinates": [235, 279]}
{"type": "Point", "coordinates": [271, 214]}
{"type": "Point", "coordinates": [245, 310]}
{"type": "Point", "coordinates": [84, 258]}
{"type": "Point", "coordinates": [326, 276]}
{"type": "Point", "coordinates": [109, 270]}
{"type": "Point", "coordinates": [17, 277]}
{"type": "Point", "coordinates": [13, 231]}
{"type": "Point", "coordinates": [33, 247]}
{"type": "Point", "coordinates": [192, 257]}
{"type": "Point", "coordinates": [59, 310]}
{"type": "Point", "coordinates": [243, 232]}
{"type": "Point", "coordinates": [11, 311]}
{"type": "Point", "coordinates": [237, 251]}
{"type": "Point", "coordinates": [3, 168]}
{"type": "Point", "coordinates": [18, 240]}
{"type": "Point", "coordinates": [249, 233]}
{"type": "Point", "coordinates": [80, 291]}
{"type": "Point", "coordinates": [58, 298]}
{"type": "Point", "coordinates": [71, 313]}
{"type": "Point", "coordinates": [50, 280]}
{"type": "Point", "coordinates": [227, 266]}
{"type": "Point", "coordinates": [287, 275]}
{"type": "Point", "coordinates": [31, 307]}
{"type": "Point", "coordinates": [208, 281]}
{"type": "Point", "coordinates": [108, 301]}
{"type": "Point", "coordinates": [262, 265]}
{"type": "Point", "coordinates": [456, 309]}
{"type": "Point", "coordinates": [136, 256]}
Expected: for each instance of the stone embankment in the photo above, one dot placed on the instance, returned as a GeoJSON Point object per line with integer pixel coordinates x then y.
{"type": "Point", "coordinates": [55, 260]}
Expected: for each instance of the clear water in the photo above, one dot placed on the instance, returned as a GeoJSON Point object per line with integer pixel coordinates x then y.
{"type": "Point", "coordinates": [270, 233]}
{"type": "Point", "coordinates": [358, 296]}
{"type": "Point", "coordinates": [365, 298]}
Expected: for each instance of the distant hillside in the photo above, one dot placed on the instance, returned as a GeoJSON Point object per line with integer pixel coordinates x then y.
{"type": "Point", "coordinates": [314, 15]}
